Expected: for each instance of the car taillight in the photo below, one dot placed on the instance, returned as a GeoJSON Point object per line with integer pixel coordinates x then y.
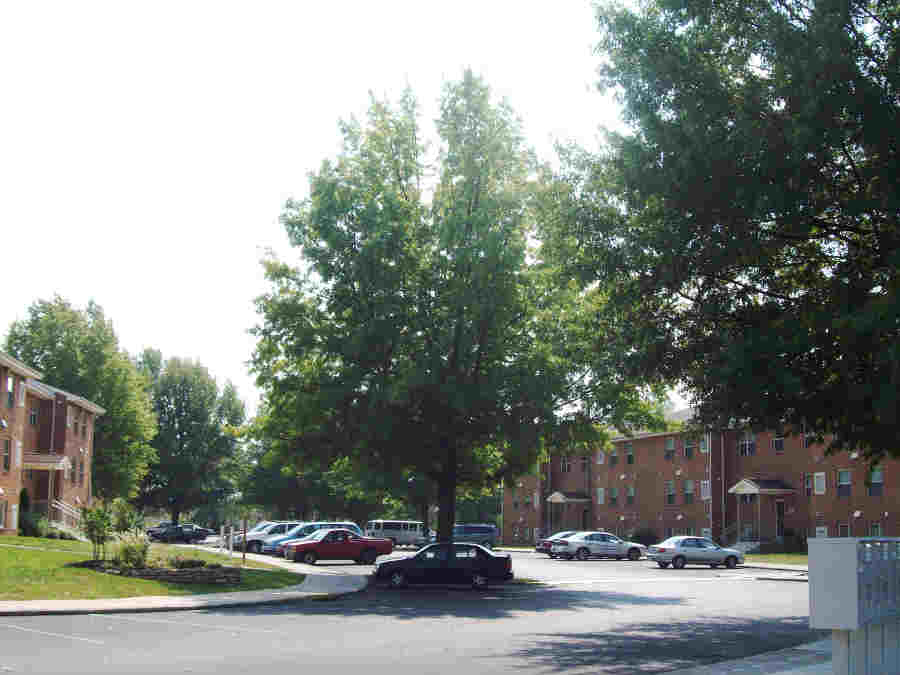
{"type": "Point", "coordinates": [659, 550]}
{"type": "Point", "coordinates": [508, 563]}
{"type": "Point", "coordinates": [563, 541]}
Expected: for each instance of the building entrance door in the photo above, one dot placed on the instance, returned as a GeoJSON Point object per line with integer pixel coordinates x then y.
{"type": "Point", "coordinates": [584, 520]}
{"type": "Point", "coordinates": [779, 518]}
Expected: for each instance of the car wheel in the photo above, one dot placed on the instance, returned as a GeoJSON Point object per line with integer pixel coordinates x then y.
{"type": "Point", "coordinates": [479, 580]}
{"type": "Point", "coordinates": [552, 555]}
{"type": "Point", "coordinates": [310, 557]}
{"type": "Point", "coordinates": [715, 566]}
{"type": "Point", "coordinates": [368, 556]}
{"type": "Point", "coordinates": [731, 562]}
{"type": "Point", "coordinates": [664, 565]}
{"type": "Point", "coordinates": [582, 554]}
{"type": "Point", "coordinates": [397, 579]}
{"type": "Point", "coordinates": [618, 557]}
{"type": "Point", "coordinates": [678, 562]}
{"type": "Point", "coordinates": [568, 556]}
{"type": "Point", "coordinates": [634, 554]}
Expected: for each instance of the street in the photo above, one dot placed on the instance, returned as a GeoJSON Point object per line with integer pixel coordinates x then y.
{"type": "Point", "coordinates": [600, 616]}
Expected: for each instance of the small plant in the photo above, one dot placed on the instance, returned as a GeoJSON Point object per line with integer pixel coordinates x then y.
{"type": "Point", "coordinates": [179, 562]}
{"type": "Point", "coordinates": [125, 517]}
{"type": "Point", "coordinates": [33, 525]}
{"type": "Point", "coordinates": [131, 549]}
{"type": "Point", "coordinates": [96, 523]}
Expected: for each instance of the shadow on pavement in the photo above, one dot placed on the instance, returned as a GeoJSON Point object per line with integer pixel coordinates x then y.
{"type": "Point", "coordinates": [661, 647]}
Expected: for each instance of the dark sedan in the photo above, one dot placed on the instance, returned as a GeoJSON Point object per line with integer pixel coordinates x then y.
{"type": "Point", "coordinates": [447, 564]}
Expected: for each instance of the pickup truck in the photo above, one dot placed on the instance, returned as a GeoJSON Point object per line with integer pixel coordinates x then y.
{"type": "Point", "coordinates": [337, 544]}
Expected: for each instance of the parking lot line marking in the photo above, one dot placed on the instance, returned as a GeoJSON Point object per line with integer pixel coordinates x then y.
{"type": "Point", "coordinates": [572, 582]}
{"type": "Point", "coordinates": [207, 626]}
{"type": "Point", "coordinates": [43, 632]}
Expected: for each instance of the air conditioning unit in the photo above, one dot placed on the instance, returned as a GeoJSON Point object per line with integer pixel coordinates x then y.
{"type": "Point", "coordinates": [854, 455]}
{"type": "Point", "coordinates": [622, 477]}
{"type": "Point", "coordinates": [678, 472]}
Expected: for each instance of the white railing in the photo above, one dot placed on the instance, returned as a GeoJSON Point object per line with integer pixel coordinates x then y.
{"type": "Point", "coordinates": [69, 515]}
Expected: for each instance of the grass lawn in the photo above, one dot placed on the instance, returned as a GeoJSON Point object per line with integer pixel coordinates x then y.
{"type": "Point", "coordinates": [782, 558]}
{"type": "Point", "coordinates": [40, 573]}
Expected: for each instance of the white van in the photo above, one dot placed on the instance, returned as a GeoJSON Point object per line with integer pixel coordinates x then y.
{"type": "Point", "coordinates": [401, 532]}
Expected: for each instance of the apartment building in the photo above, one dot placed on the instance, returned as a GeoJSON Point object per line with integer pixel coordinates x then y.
{"type": "Point", "coordinates": [731, 485]}
{"type": "Point", "coordinates": [46, 446]}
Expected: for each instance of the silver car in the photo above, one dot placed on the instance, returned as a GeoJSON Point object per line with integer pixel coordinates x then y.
{"type": "Point", "coordinates": [584, 545]}
{"type": "Point", "coordinates": [679, 551]}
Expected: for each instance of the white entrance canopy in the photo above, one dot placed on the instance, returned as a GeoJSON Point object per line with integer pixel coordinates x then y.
{"type": "Point", "coordinates": [571, 498]}
{"type": "Point", "coordinates": [46, 462]}
{"type": "Point", "coordinates": [759, 486]}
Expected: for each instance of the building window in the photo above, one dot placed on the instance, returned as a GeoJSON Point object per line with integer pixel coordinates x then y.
{"type": "Point", "coordinates": [3, 505]}
{"type": "Point", "coordinates": [584, 463]}
{"type": "Point", "coordinates": [876, 482]}
{"type": "Point", "coordinates": [819, 483]}
{"type": "Point", "coordinates": [613, 456]}
{"type": "Point", "coordinates": [601, 456]}
{"type": "Point", "coordinates": [689, 445]}
{"type": "Point", "coordinates": [10, 391]}
{"type": "Point", "coordinates": [875, 530]}
{"type": "Point", "coordinates": [670, 449]}
{"type": "Point", "coordinates": [601, 495]}
{"type": "Point", "coordinates": [566, 464]}
{"type": "Point", "coordinates": [843, 530]}
{"type": "Point", "coordinates": [705, 490]}
{"type": "Point", "coordinates": [808, 484]}
{"type": "Point", "coordinates": [670, 491]}
{"type": "Point", "coordinates": [629, 453]}
{"type": "Point", "coordinates": [809, 439]}
{"type": "Point", "coordinates": [33, 417]}
{"type": "Point", "coordinates": [6, 454]}
{"type": "Point", "coordinates": [70, 413]}
{"type": "Point", "coordinates": [629, 494]}
{"type": "Point", "coordinates": [704, 446]}
{"type": "Point", "coordinates": [688, 491]}
{"type": "Point", "coordinates": [84, 426]}
{"type": "Point", "coordinates": [844, 483]}
{"type": "Point", "coordinates": [747, 444]}
{"type": "Point", "coordinates": [778, 445]}
{"type": "Point", "coordinates": [669, 532]}
{"type": "Point", "coordinates": [613, 496]}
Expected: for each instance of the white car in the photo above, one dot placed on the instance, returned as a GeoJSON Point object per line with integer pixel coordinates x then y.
{"type": "Point", "coordinates": [584, 545]}
{"type": "Point", "coordinates": [678, 551]}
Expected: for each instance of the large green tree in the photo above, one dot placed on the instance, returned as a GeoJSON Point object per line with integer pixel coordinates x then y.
{"type": "Point", "coordinates": [78, 351]}
{"type": "Point", "coordinates": [198, 432]}
{"type": "Point", "coordinates": [747, 228]}
{"type": "Point", "coordinates": [421, 337]}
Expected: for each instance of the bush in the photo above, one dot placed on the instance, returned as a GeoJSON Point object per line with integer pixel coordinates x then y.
{"type": "Point", "coordinates": [96, 523]}
{"type": "Point", "coordinates": [131, 549]}
{"type": "Point", "coordinates": [179, 562]}
{"type": "Point", "coordinates": [646, 536]}
{"type": "Point", "coordinates": [125, 517]}
{"type": "Point", "coordinates": [33, 525]}
{"type": "Point", "coordinates": [24, 501]}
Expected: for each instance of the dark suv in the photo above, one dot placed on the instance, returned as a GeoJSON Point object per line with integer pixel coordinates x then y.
{"type": "Point", "coordinates": [476, 533]}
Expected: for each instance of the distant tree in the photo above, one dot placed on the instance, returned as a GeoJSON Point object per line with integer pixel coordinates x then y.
{"type": "Point", "coordinates": [423, 339]}
{"type": "Point", "coordinates": [198, 432]}
{"type": "Point", "coordinates": [78, 351]}
{"type": "Point", "coordinates": [748, 230]}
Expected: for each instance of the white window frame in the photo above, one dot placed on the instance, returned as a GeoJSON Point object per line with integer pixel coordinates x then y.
{"type": "Point", "coordinates": [704, 446]}
{"type": "Point", "coordinates": [705, 490]}
{"type": "Point", "coordinates": [613, 495]}
{"type": "Point", "coordinates": [747, 444]}
{"type": "Point", "coordinates": [601, 495]}
{"type": "Point", "coordinates": [820, 486]}
{"type": "Point", "coordinates": [777, 445]}
{"type": "Point", "coordinates": [565, 465]}
{"type": "Point", "coordinates": [4, 505]}
{"type": "Point", "coordinates": [21, 392]}
{"type": "Point", "coordinates": [873, 527]}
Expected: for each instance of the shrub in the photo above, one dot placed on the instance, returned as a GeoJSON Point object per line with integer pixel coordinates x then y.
{"type": "Point", "coordinates": [131, 549]}
{"type": "Point", "coordinates": [179, 562]}
{"type": "Point", "coordinates": [24, 501]}
{"type": "Point", "coordinates": [96, 523]}
{"type": "Point", "coordinates": [125, 517]}
{"type": "Point", "coordinates": [33, 525]}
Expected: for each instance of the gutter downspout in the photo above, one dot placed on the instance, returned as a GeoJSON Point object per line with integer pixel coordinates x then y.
{"type": "Point", "coordinates": [722, 480]}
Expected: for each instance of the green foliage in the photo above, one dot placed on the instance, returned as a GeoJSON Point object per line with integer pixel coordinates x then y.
{"type": "Point", "coordinates": [24, 501]}
{"type": "Point", "coordinates": [180, 562]}
{"type": "Point", "coordinates": [131, 549]}
{"type": "Point", "coordinates": [198, 433]}
{"type": "Point", "coordinates": [421, 338]}
{"type": "Point", "coordinates": [33, 525]}
{"type": "Point", "coordinates": [96, 523]}
{"type": "Point", "coordinates": [747, 233]}
{"type": "Point", "coordinates": [78, 351]}
{"type": "Point", "coordinates": [125, 517]}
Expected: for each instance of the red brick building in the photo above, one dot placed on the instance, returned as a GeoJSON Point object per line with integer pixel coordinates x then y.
{"type": "Point", "coordinates": [46, 445]}
{"type": "Point", "coordinates": [730, 485]}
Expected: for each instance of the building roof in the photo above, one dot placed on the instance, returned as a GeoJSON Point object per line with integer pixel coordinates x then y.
{"type": "Point", "coordinates": [18, 367]}
{"type": "Point", "coordinates": [46, 391]}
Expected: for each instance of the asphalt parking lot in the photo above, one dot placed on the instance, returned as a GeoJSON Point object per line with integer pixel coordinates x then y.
{"type": "Point", "coordinates": [596, 616]}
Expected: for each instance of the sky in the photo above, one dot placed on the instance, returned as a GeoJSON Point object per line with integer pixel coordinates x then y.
{"type": "Point", "coordinates": [148, 148]}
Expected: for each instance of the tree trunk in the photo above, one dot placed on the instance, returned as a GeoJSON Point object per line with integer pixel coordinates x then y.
{"type": "Point", "coordinates": [176, 512]}
{"type": "Point", "coordinates": [423, 505]}
{"type": "Point", "coordinates": [447, 495]}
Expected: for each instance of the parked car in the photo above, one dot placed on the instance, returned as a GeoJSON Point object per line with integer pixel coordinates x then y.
{"type": "Point", "coordinates": [546, 545]}
{"type": "Point", "coordinates": [159, 527]}
{"type": "Point", "coordinates": [679, 551]}
{"type": "Point", "coordinates": [276, 544]}
{"type": "Point", "coordinates": [339, 544]}
{"type": "Point", "coordinates": [186, 533]}
{"type": "Point", "coordinates": [446, 564]}
{"type": "Point", "coordinates": [584, 545]}
{"type": "Point", "coordinates": [401, 532]}
{"type": "Point", "coordinates": [476, 533]}
{"type": "Point", "coordinates": [253, 540]}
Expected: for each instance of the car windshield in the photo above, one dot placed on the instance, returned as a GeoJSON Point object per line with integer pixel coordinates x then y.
{"type": "Point", "coordinates": [318, 534]}
{"type": "Point", "coordinates": [561, 535]}
{"type": "Point", "coordinates": [671, 541]}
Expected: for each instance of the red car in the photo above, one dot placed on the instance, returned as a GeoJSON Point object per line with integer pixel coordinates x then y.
{"type": "Point", "coordinates": [337, 545]}
{"type": "Point", "coordinates": [546, 545]}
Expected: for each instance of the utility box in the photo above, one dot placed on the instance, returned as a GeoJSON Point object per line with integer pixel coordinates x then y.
{"type": "Point", "coordinates": [854, 590]}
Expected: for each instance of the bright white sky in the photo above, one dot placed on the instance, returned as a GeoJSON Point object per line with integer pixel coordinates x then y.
{"type": "Point", "coordinates": [147, 148]}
